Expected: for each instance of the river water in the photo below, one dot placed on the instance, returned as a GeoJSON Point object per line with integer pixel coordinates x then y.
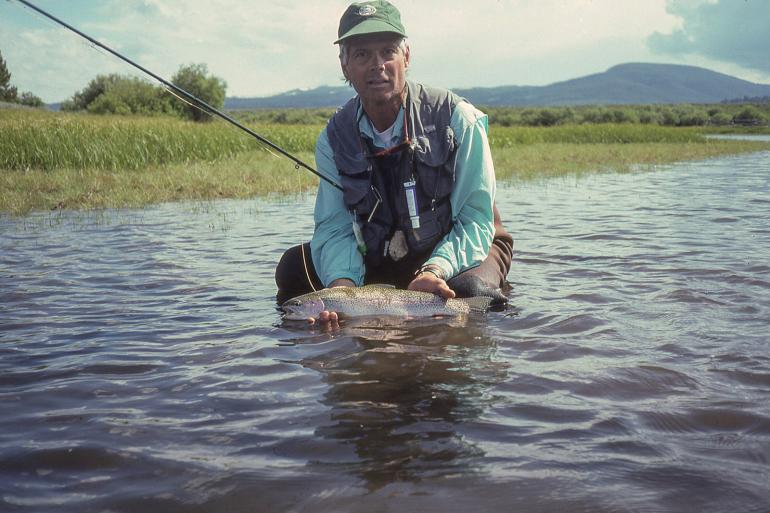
{"type": "Point", "coordinates": [144, 367]}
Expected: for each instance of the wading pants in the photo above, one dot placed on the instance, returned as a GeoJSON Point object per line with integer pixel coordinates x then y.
{"type": "Point", "coordinates": [295, 271]}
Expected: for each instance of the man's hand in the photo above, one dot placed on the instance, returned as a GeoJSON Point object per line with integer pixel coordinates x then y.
{"type": "Point", "coordinates": [429, 282]}
{"type": "Point", "coordinates": [329, 319]}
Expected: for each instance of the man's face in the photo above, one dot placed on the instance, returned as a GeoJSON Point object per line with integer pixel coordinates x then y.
{"type": "Point", "coordinates": [376, 68]}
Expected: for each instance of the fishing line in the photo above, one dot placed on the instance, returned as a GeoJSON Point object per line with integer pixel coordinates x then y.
{"type": "Point", "coordinates": [307, 271]}
{"type": "Point", "coordinates": [184, 100]}
{"type": "Point", "coordinates": [191, 99]}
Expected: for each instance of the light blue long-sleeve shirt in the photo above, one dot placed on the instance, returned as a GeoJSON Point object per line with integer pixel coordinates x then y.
{"type": "Point", "coordinates": [333, 246]}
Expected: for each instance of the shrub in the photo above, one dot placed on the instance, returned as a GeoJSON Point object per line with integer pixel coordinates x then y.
{"type": "Point", "coordinates": [195, 79]}
{"type": "Point", "coordinates": [720, 119]}
{"type": "Point", "coordinates": [30, 100]}
{"type": "Point", "coordinates": [750, 115]}
{"type": "Point", "coordinates": [132, 96]}
{"type": "Point", "coordinates": [96, 87]}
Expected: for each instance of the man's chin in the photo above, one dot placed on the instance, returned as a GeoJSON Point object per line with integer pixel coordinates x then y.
{"type": "Point", "coordinates": [380, 91]}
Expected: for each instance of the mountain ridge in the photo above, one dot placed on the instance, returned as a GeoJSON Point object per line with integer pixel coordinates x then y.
{"type": "Point", "coordinates": [627, 83]}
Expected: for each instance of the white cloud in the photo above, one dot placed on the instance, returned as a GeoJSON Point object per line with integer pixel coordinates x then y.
{"type": "Point", "coordinates": [262, 47]}
{"type": "Point", "coordinates": [48, 61]}
{"type": "Point", "coordinates": [735, 33]}
{"type": "Point", "coordinates": [258, 47]}
{"type": "Point", "coordinates": [528, 42]}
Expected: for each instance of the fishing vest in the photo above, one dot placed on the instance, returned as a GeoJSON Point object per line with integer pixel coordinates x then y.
{"type": "Point", "coordinates": [377, 189]}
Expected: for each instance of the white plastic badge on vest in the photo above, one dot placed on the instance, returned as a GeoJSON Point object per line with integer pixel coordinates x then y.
{"type": "Point", "coordinates": [411, 203]}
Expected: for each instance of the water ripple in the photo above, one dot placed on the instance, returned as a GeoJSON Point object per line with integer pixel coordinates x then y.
{"type": "Point", "coordinates": [144, 367]}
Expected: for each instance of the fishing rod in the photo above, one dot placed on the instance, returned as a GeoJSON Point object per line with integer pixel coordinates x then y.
{"type": "Point", "coordinates": [193, 100]}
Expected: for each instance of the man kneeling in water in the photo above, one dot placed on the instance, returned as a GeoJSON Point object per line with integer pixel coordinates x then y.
{"type": "Point", "coordinates": [417, 207]}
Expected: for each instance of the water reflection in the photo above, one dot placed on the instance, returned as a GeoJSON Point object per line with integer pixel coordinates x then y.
{"type": "Point", "coordinates": [397, 395]}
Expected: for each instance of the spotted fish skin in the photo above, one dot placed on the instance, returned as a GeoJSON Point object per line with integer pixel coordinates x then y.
{"type": "Point", "coordinates": [380, 300]}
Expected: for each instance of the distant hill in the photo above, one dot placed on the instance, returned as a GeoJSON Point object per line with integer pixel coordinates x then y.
{"type": "Point", "coordinates": [324, 96]}
{"type": "Point", "coordinates": [632, 83]}
{"type": "Point", "coordinates": [627, 84]}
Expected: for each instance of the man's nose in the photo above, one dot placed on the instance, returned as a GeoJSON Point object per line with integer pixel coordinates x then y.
{"type": "Point", "coordinates": [379, 61]}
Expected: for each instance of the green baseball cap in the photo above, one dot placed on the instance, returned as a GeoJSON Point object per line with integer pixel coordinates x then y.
{"type": "Point", "coordinates": [368, 18]}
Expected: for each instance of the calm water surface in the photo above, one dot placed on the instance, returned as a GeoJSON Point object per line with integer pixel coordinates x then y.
{"type": "Point", "coordinates": [144, 367]}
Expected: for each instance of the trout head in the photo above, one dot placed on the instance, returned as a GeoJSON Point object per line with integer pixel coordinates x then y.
{"type": "Point", "coordinates": [302, 308]}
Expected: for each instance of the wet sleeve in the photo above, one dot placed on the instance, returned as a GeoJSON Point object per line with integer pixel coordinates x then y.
{"type": "Point", "coordinates": [468, 242]}
{"type": "Point", "coordinates": [333, 246]}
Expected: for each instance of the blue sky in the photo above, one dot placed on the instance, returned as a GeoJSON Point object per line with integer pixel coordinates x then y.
{"type": "Point", "coordinates": [262, 48]}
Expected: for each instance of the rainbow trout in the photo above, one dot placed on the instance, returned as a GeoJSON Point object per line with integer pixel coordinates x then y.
{"type": "Point", "coordinates": [380, 300]}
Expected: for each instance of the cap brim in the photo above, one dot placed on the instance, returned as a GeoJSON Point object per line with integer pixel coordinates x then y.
{"type": "Point", "coordinates": [370, 27]}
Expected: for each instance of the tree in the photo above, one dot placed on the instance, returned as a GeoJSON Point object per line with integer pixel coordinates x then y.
{"type": "Point", "coordinates": [31, 100]}
{"type": "Point", "coordinates": [120, 94]}
{"type": "Point", "coordinates": [7, 91]}
{"type": "Point", "coordinates": [96, 87]}
{"type": "Point", "coordinates": [194, 79]}
{"type": "Point", "coordinates": [132, 96]}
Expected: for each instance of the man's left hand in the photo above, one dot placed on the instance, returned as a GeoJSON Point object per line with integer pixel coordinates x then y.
{"type": "Point", "coordinates": [429, 282]}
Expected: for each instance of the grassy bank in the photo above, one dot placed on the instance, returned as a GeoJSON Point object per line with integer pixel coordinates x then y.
{"type": "Point", "coordinates": [543, 160]}
{"type": "Point", "coordinates": [255, 173]}
{"type": "Point", "coordinates": [54, 161]}
{"type": "Point", "coordinates": [47, 141]}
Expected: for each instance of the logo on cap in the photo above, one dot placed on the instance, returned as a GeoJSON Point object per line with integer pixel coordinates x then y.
{"type": "Point", "coordinates": [366, 10]}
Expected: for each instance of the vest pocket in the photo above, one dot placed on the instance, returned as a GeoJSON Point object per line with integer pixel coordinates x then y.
{"type": "Point", "coordinates": [434, 162]}
{"type": "Point", "coordinates": [435, 183]}
{"type": "Point", "coordinates": [356, 191]}
{"type": "Point", "coordinates": [432, 228]}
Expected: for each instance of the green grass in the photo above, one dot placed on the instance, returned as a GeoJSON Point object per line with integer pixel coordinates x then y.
{"type": "Point", "coordinates": [47, 141]}
{"type": "Point", "coordinates": [542, 160]}
{"type": "Point", "coordinates": [506, 137]}
{"type": "Point", "coordinates": [72, 161]}
{"type": "Point", "coordinates": [250, 174]}
{"type": "Point", "coordinates": [748, 130]}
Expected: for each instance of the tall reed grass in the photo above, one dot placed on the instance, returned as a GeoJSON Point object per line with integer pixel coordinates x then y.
{"type": "Point", "coordinates": [42, 140]}
{"type": "Point", "coordinates": [46, 141]}
{"type": "Point", "coordinates": [75, 161]}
